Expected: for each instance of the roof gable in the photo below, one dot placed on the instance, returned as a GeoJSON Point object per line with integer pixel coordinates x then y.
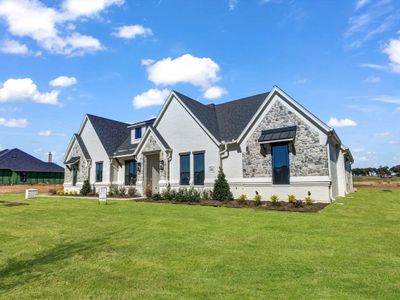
{"type": "Point", "coordinates": [18, 160]}
{"type": "Point", "coordinates": [111, 133]}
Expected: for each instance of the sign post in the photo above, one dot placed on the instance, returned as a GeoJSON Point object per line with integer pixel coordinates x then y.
{"type": "Point", "coordinates": [102, 195]}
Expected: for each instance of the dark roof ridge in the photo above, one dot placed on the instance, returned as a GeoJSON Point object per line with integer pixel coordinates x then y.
{"type": "Point", "coordinates": [107, 119]}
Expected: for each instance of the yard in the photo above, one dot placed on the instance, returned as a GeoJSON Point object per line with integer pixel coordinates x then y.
{"type": "Point", "coordinates": [67, 248]}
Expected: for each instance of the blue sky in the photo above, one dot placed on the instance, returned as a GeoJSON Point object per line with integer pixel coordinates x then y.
{"type": "Point", "coordinates": [118, 59]}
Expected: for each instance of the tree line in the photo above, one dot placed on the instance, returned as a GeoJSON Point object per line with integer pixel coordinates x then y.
{"type": "Point", "coordinates": [381, 171]}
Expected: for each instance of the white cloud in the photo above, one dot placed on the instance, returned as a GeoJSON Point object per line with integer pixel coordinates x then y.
{"type": "Point", "coordinates": [373, 79]}
{"type": "Point", "coordinates": [393, 51]}
{"type": "Point", "coordinates": [50, 27]}
{"type": "Point", "coordinates": [361, 3]}
{"type": "Point", "coordinates": [301, 81]}
{"type": "Point", "coordinates": [45, 133]}
{"type": "Point", "coordinates": [132, 31]}
{"type": "Point", "coordinates": [14, 123]}
{"type": "Point", "coordinates": [146, 62]}
{"type": "Point", "coordinates": [386, 99]}
{"type": "Point", "coordinates": [150, 98]}
{"type": "Point", "coordinates": [374, 66]}
{"type": "Point", "coordinates": [214, 92]}
{"type": "Point", "coordinates": [13, 47]}
{"type": "Point", "coordinates": [382, 135]}
{"type": "Point", "coordinates": [232, 4]}
{"type": "Point", "coordinates": [334, 122]}
{"type": "Point", "coordinates": [23, 89]}
{"type": "Point", "coordinates": [199, 71]}
{"type": "Point", "coordinates": [63, 81]}
{"type": "Point", "coordinates": [85, 8]}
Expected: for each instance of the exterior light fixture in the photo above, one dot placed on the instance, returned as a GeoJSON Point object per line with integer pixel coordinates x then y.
{"type": "Point", "coordinates": [139, 167]}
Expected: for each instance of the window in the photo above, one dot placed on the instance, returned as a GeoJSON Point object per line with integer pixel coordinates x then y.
{"type": "Point", "coordinates": [280, 163]}
{"type": "Point", "coordinates": [99, 171]}
{"type": "Point", "coordinates": [198, 162]}
{"type": "Point", "coordinates": [130, 172]}
{"type": "Point", "coordinates": [74, 175]}
{"type": "Point", "coordinates": [185, 169]}
{"type": "Point", "coordinates": [138, 133]}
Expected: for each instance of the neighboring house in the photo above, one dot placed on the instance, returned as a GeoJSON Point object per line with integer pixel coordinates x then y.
{"type": "Point", "coordinates": [267, 143]}
{"type": "Point", "coordinates": [18, 167]}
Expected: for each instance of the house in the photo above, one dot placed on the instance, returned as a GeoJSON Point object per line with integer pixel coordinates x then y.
{"type": "Point", "coordinates": [266, 144]}
{"type": "Point", "coordinates": [18, 167]}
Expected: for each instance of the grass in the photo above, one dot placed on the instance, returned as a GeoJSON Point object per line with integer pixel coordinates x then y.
{"type": "Point", "coordinates": [68, 248]}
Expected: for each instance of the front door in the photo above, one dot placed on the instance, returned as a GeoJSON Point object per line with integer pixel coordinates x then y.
{"type": "Point", "coordinates": [153, 172]}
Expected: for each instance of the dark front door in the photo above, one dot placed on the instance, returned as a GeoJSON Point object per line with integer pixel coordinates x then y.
{"type": "Point", "coordinates": [280, 164]}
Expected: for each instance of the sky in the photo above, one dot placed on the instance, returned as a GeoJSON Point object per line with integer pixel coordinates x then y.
{"type": "Point", "coordinates": [119, 59]}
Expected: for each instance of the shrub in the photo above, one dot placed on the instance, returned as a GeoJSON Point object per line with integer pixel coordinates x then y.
{"type": "Point", "coordinates": [86, 188]}
{"type": "Point", "coordinates": [242, 200]}
{"type": "Point", "coordinates": [308, 200]}
{"type": "Point", "coordinates": [181, 195]}
{"type": "Point", "coordinates": [113, 190]}
{"type": "Point", "coordinates": [274, 199]}
{"type": "Point", "coordinates": [291, 199]}
{"type": "Point", "coordinates": [132, 192]}
{"type": "Point", "coordinates": [221, 190]}
{"type": "Point", "coordinates": [168, 194]}
{"type": "Point", "coordinates": [122, 191]}
{"type": "Point", "coordinates": [156, 197]}
{"type": "Point", "coordinates": [298, 203]}
{"type": "Point", "coordinates": [193, 195]}
{"type": "Point", "coordinates": [257, 200]}
{"type": "Point", "coordinates": [148, 192]}
{"type": "Point", "coordinates": [52, 192]}
{"type": "Point", "coordinates": [206, 194]}
{"type": "Point", "coordinates": [61, 193]}
{"type": "Point", "coordinates": [74, 193]}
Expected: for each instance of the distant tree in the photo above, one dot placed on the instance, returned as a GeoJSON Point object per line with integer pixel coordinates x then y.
{"type": "Point", "coordinates": [383, 171]}
{"type": "Point", "coordinates": [396, 170]}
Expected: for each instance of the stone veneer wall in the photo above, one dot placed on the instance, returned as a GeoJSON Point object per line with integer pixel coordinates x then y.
{"type": "Point", "coordinates": [310, 158]}
{"type": "Point", "coordinates": [83, 172]}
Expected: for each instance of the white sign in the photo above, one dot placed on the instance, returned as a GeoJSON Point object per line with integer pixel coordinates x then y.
{"type": "Point", "coordinates": [31, 193]}
{"type": "Point", "coordinates": [103, 194]}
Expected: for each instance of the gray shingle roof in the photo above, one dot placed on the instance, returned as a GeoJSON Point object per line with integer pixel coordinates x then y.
{"type": "Point", "coordinates": [225, 121]}
{"type": "Point", "coordinates": [126, 148]}
{"type": "Point", "coordinates": [82, 146]}
{"type": "Point", "coordinates": [110, 132]}
{"type": "Point", "coordinates": [21, 161]}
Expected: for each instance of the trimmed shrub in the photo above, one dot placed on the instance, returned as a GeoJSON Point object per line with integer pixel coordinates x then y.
{"type": "Point", "coordinates": [168, 194]}
{"type": "Point", "coordinates": [113, 190]}
{"type": "Point", "coordinates": [156, 197]}
{"type": "Point", "coordinates": [86, 188]}
{"type": "Point", "coordinates": [291, 199]}
{"type": "Point", "coordinates": [242, 200]}
{"type": "Point", "coordinates": [181, 195]}
{"type": "Point", "coordinates": [206, 194]}
{"type": "Point", "coordinates": [257, 200]}
{"type": "Point", "coordinates": [308, 200]}
{"type": "Point", "coordinates": [148, 192]}
{"type": "Point", "coordinates": [274, 199]}
{"type": "Point", "coordinates": [221, 189]}
{"type": "Point", "coordinates": [132, 192]}
{"type": "Point", "coordinates": [52, 192]}
{"type": "Point", "coordinates": [122, 191]}
{"type": "Point", "coordinates": [193, 195]}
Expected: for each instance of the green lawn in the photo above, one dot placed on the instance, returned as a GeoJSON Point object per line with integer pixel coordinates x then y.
{"type": "Point", "coordinates": [65, 248]}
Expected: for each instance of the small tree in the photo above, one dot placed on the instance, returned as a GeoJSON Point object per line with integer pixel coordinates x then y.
{"type": "Point", "coordinates": [222, 191]}
{"type": "Point", "coordinates": [86, 189]}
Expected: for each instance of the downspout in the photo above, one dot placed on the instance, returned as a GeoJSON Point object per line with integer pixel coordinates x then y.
{"type": "Point", "coordinates": [329, 170]}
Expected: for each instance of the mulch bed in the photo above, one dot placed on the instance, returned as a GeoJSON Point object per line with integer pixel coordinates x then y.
{"type": "Point", "coordinates": [12, 203]}
{"type": "Point", "coordinates": [266, 205]}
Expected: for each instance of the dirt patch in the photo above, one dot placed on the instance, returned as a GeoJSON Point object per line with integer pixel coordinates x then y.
{"type": "Point", "coordinates": [12, 203]}
{"type": "Point", "coordinates": [20, 188]}
{"type": "Point", "coordinates": [266, 205]}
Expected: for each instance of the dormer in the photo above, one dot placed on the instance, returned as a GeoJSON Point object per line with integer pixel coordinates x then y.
{"type": "Point", "coordinates": [138, 129]}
